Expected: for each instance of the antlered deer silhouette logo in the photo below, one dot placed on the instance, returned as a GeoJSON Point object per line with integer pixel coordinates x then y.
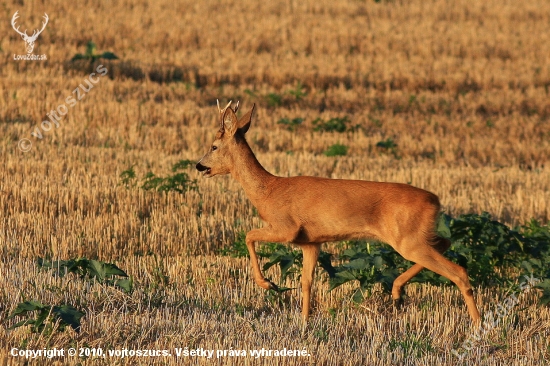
{"type": "Point", "coordinates": [29, 40]}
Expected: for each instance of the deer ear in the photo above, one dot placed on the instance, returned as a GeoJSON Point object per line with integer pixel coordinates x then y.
{"type": "Point", "coordinates": [244, 122]}
{"type": "Point", "coordinates": [229, 121]}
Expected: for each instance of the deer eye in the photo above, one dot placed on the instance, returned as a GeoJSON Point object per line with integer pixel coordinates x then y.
{"type": "Point", "coordinates": [214, 148]}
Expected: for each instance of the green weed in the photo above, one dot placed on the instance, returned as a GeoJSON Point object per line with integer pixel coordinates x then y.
{"type": "Point", "coordinates": [298, 91]}
{"type": "Point", "coordinates": [178, 182]}
{"type": "Point", "coordinates": [92, 55]}
{"type": "Point", "coordinates": [412, 345]}
{"type": "Point", "coordinates": [47, 317]}
{"type": "Point", "coordinates": [336, 150]}
{"type": "Point", "coordinates": [104, 273]}
{"type": "Point", "coordinates": [337, 124]}
{"type": "Point", "coordinates": [291, 124]}
{"type": "Point", "coordinates": [274, 99]}
{"type": "Point", "coordinates": [388, 145]}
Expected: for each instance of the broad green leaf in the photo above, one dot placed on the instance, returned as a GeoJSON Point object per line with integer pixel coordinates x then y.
{"type": "Point", "coordinates": [378, 262]}
{"type": "Point", "coordinates": [26, 306]}
{"type": "Point", "coordinates": [325, 263]}
{"type": "Point", "coordinates": [96, 269]}
{"type": "Point", "coordinates": [126, 284]}
{"type": "Point", "coordinates": [358, 264]}
{"type": "Point", "coordinates": [111, 269]}
{"type": "Point", "coordinates": [109, 56]}
{"type": "Point", "coordinates": [22, 323]}
{"type": "Point", "coordinates": [358, 296]}
{"type": "Point", "coordinates": [78, 56]}
{"type": "Point", "coordinates": [443, 226]}
{"type": "Point", "coordinates": [69, 315]}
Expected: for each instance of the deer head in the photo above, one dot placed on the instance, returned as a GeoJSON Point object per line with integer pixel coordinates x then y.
{"type": "Point", "coordinates": [29, 40]}
{"type": "Point", "coordinates": [219, 158]}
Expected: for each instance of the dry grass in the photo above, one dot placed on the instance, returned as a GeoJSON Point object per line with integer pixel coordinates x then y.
{"type": "Point", "coordinates": [462, 89]}
{"type": "Point", "coordinates": [212, 303]}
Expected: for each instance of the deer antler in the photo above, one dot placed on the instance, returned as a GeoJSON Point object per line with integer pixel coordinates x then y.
{"type": "Point", "coordinates": [228, 104]}
{"type": "Point", "coordinates": [222, 111]}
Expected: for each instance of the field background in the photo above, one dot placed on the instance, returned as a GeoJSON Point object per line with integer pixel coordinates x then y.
{"type": "Point", "coordinates": [461, 87]}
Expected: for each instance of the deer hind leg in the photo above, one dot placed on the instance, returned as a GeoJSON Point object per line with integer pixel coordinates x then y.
{"type": "Point", "coordinates": [400, 281]}
{"type": "Point", "coordinates": [430, 258]}
{"type": "Point", "coordinates": [311, 254]}
{"type": "Point", "coordinates": [253, 236]}
{"type": "Point", "coordinates": [441, 246]}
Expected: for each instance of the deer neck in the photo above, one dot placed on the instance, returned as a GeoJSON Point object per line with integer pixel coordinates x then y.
{"type": "Point", "coordinates": [247, 170]}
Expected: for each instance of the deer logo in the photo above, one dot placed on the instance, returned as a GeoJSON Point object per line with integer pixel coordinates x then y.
{"type": "Point", "coordinates": [29, 40]}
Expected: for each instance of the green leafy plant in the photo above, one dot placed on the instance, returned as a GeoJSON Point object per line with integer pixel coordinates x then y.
{"type": "Point", "coordinates": [481, 244]}
{"type": "Point", "coordinates": [46, 317]}
{"type": "Point", "coordinates": [412, 344]}
{"type": "Point", "coordinates": [544, 285]}
{"type": "Point", "coordinates": [536, 239]}
{"type": "Point", "coordinates": [368, 263]}
{"type": "Point", "coordinates": [104, 273]}
{"type": "Point", "coordinates": [479, 241]}
{"type": "Point", "coordinates": [128, 177]}
{"type": "Point", "coordinates": [178, 182]}
{"type": "Point", "coordinates": [287, 258]}
{"type": "Point", "coordinates": [291, 124]}
{"type": "Point", "coordinates": [92, 55]}
{"type": "Point", "coordinates": [238, 248]}
{"type": "Point", "coordinates": [388, 145]}
{"type": "Point", "coordinates": [274, 99]}
{"type": "Point", "coordinates": [336, 150]}
{"type": "Point", "coordinates": [298, 91]}
{"type": "Point", "coordinates": [251, 93]}
{"type": "Point", "coordinates": [337, 124]}
{"type": "Point", "coordinates": [159, 276]}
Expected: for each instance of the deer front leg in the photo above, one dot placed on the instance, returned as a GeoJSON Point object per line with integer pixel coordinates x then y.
{"type": "Point", "coordinates": [311, 254]}
{"type": "Point", "coordinates": [253, 236]}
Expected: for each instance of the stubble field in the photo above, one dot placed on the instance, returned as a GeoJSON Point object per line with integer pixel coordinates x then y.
{"type": "Point", "coordinates": [452, 97]}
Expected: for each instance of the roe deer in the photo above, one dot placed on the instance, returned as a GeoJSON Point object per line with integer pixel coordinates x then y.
{"type": "Point", "coordinates": [309, 211]}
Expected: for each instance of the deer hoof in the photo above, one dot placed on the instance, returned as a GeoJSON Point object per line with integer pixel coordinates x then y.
{"type": "Point", "coordinates": [273, 286]}
{"type": "Point", "coordinates": [397, 303]}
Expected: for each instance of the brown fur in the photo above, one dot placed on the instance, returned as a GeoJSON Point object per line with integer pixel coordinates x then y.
{"type": "Point", "coordinates": [308, 211]}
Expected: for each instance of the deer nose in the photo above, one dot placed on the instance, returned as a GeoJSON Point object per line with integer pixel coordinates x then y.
{"type": "Point", "coordinates": [200, 167]}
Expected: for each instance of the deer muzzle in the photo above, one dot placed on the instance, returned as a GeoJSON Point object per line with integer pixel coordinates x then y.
{"type": "Point", "coordinates": [202, 168]}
